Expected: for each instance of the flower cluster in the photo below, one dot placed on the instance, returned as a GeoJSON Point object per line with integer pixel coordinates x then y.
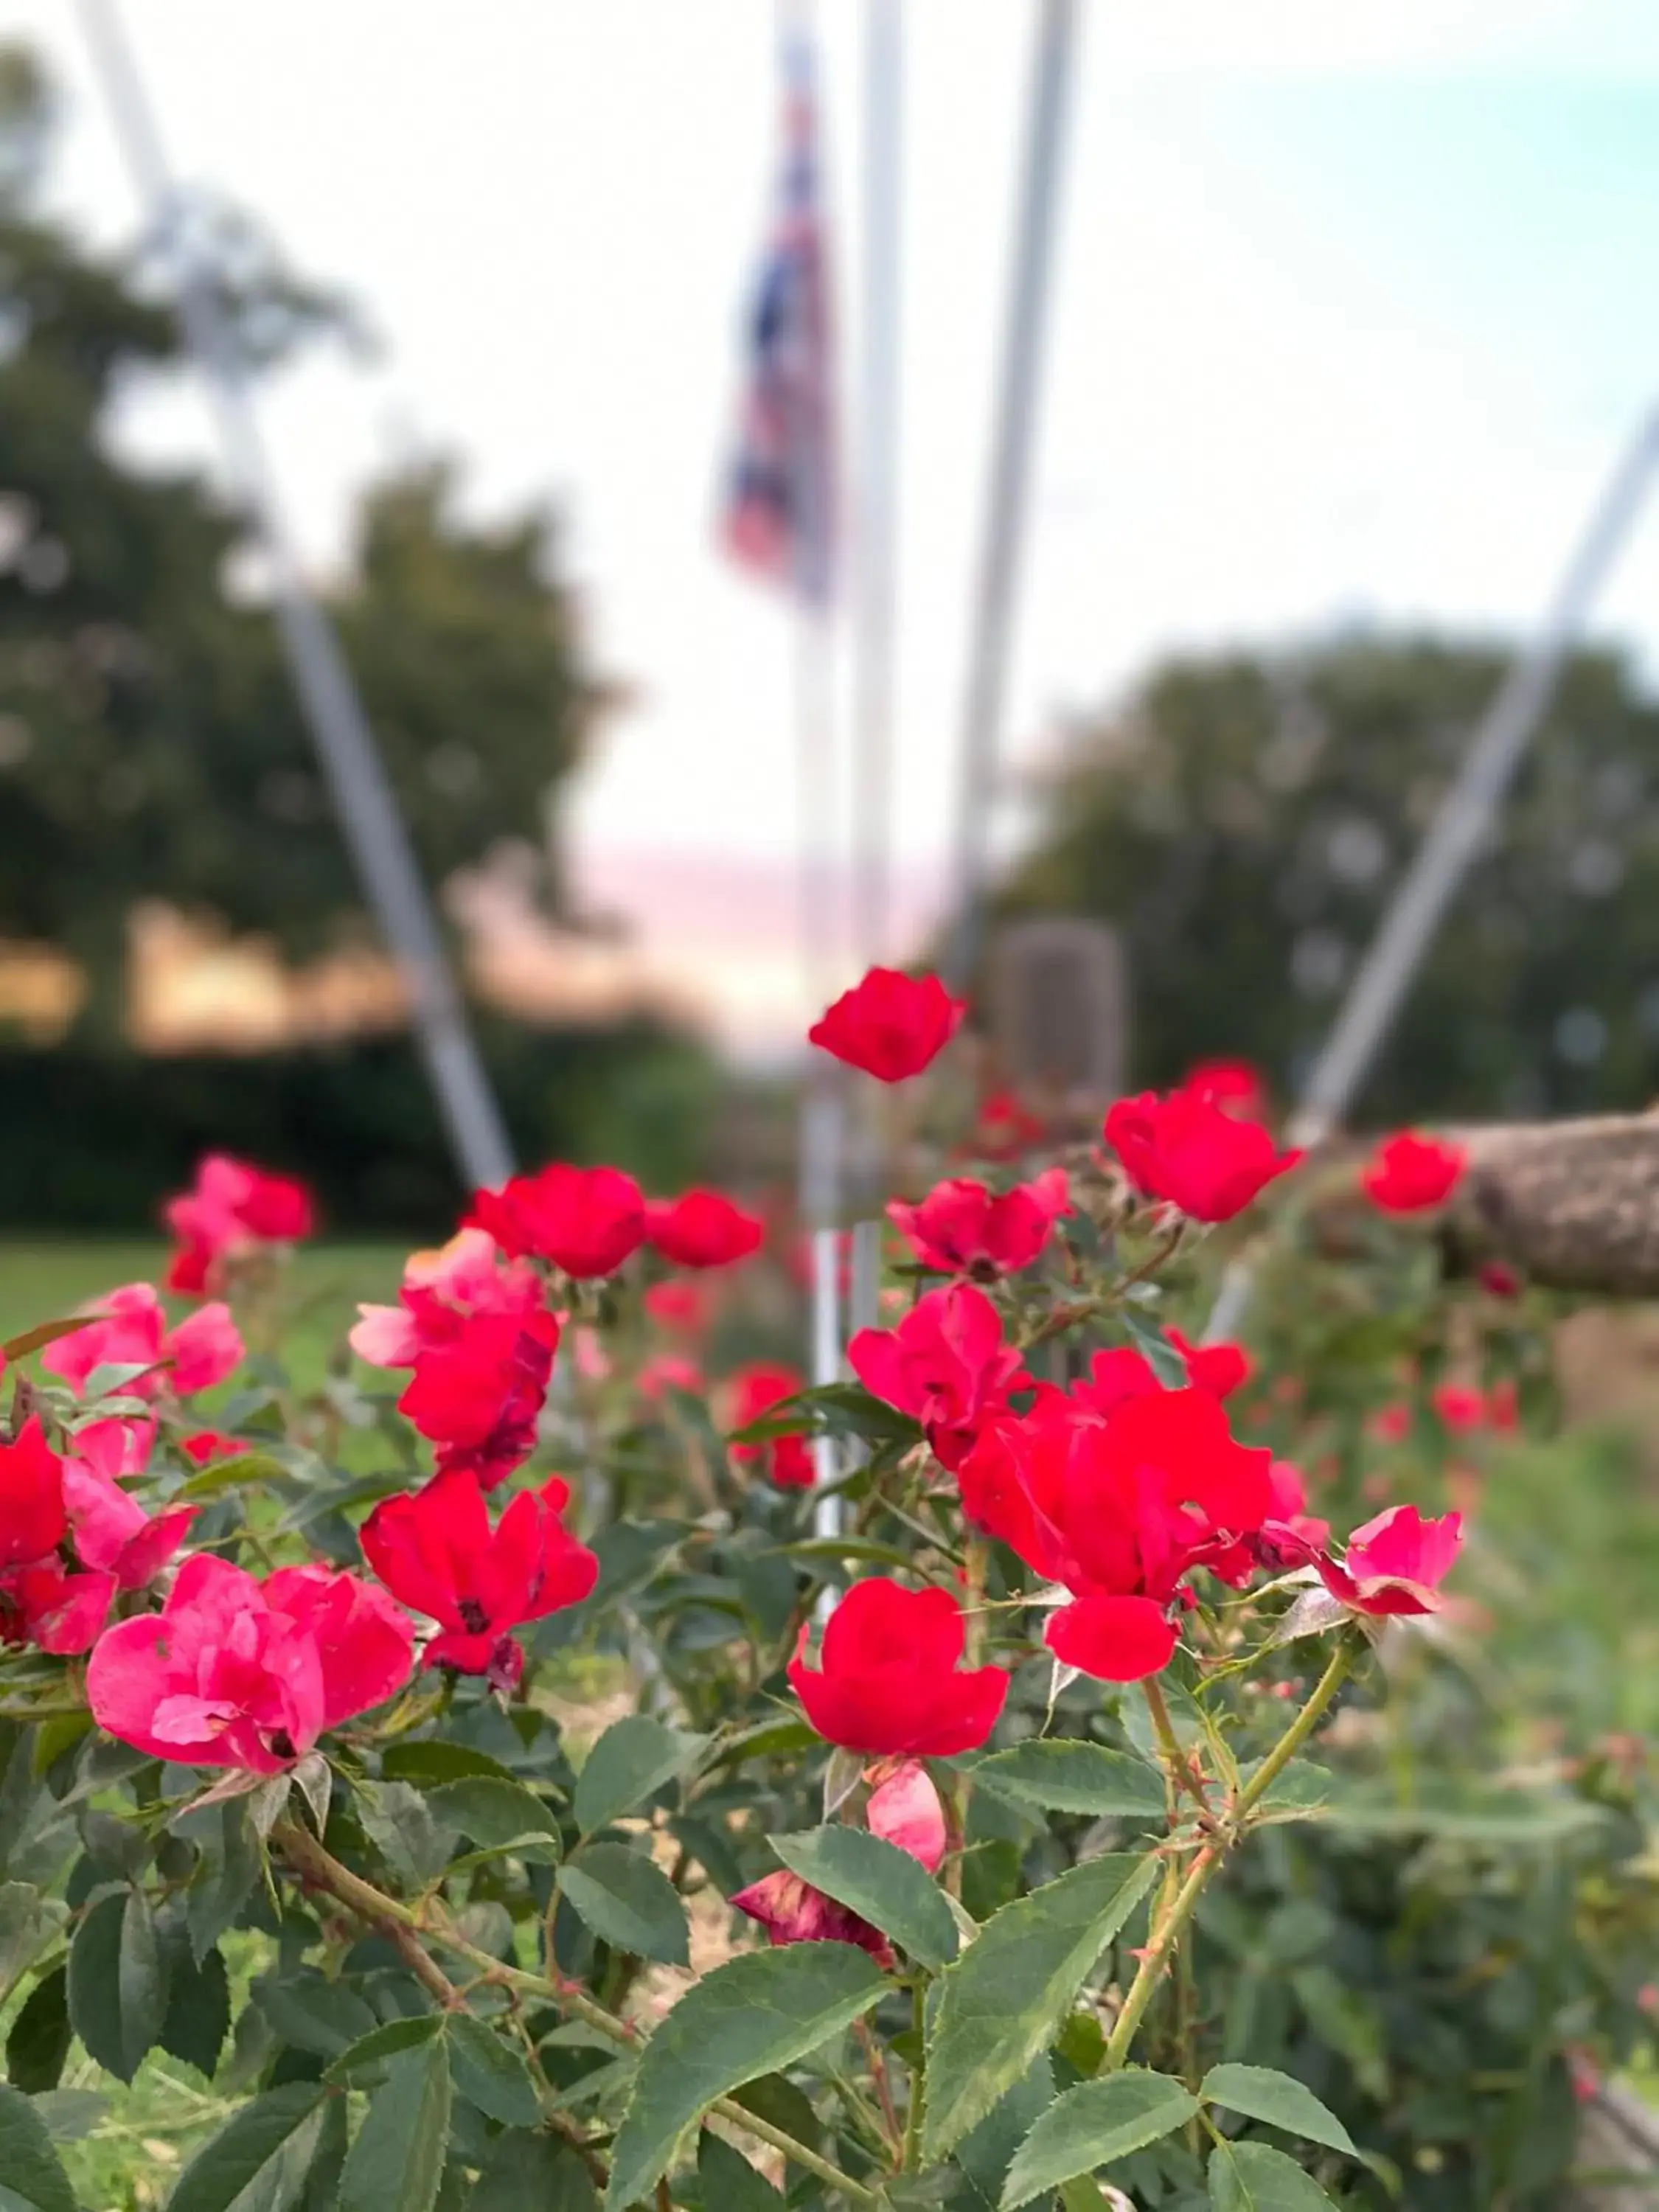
{"type": "Point", "coordinates": [231, 1211]}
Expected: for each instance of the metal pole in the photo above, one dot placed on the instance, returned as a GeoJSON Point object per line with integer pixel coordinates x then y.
{"type": "Point", "coordinates": [369, 815]}
{"type": "Point", "coordinates": [1454, 835]}
{"type": "Point", "coordinates": [1003, 540]}
{"type": "Point", "coordinates": [876, 575]}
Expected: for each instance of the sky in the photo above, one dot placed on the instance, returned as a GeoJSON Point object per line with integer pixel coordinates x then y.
{"type": "Point", "coordinates": [1353, 310]}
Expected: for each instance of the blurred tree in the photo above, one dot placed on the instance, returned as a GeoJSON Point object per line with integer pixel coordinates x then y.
{"type": "Point", "coordinates": [149, 743]}
{"type": "Point", "coordinates": [1245, 819]}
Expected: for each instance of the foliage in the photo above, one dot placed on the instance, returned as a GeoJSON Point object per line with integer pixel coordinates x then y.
{"type": "Point", "coordinates": [151, 745]}
{"type": "Point", "coordinates": [1243, 820]}
{"type": "Point", "coordinates": [1300, 1918]}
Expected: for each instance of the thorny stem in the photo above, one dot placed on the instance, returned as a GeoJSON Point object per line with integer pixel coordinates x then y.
{"type": "Point", "coordinates": [912, 2153]}
{"type": "Point", "coordinates": [877, 2066]}
{"type": "Point", "coordinates": [1173, 1917]}
{"type": "Point", "coordinates": [310, 1860]}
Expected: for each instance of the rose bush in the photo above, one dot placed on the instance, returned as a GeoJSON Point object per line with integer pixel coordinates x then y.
{"type": "Point", "coordinates": [1081, 1823]}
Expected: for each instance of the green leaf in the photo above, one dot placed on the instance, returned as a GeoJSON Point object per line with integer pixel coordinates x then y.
{"type": "Point", "coordinates": [1092, 2124]}
{"type": "Point", "coordinates": [1462, 1816]}
{"type": "Point", "coordinates": [199, 2012]}
{"type": "Point", "coordinates": [767, 1740]}
{"type": "Point", "coordinates": [490, 2073]}
{"type": "Point", "coordinates": [1002, 2002]}
{"type": "Point", "coordinates": [117, 1982]}
{"type": "Point", "coordinates": [1262, 2092]}
{"type": "Point", "coordinates": [532, 2174]}
{"type": "Point", "coordinates": [1059, 1776]}
{"type": "Point", "coordinates": [230, 1851]}
{"type": "Point", "coordinates": [402, 1827]}
{"type": "Point", "coordinates": [1251, 2177]}
{"type": "Point", "coordinates": [322, 2017]}
{"type": "Point", "coordinates": [879, 1882]}
{"type": "Point", "coordinates": [629, 1902]}
{"type": "Point", "coordinates": [755, 2013]}
{"type": "Point", "coordinates": [364, 2064]}
{"type": "Point", "coordinates": [985, 2151]}
{"type": "Point", "coordinates": [1301, 1792]}
{"type": "Point", "coordinates": [71, 2115]}
{"type": "Point", "coordinates": [426, 1764]}
{"type": "Point", "coordinates": [28, 1922]}
{"type": "Point", "coordinates": [498, 1816]}
{"type": "Point", "coordinates": [265, 2151]}
{"type": "Point", "coordinates": [246, 1470]}
{"type": "Point", "coordinates": [629, 1763]}
{"type": "Point", "coordinates": [396, 2161]}
{"type": "Point", "coordinates": [30, 2170]}
{"type": "Point", "coordinates": [1160, 1355]}
{"type": "Point", "coordinates": [40, 2035]}
{"type": "Point", "coordinates": [730, 2184]}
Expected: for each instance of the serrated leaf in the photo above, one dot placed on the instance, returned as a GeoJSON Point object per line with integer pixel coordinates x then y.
{"type": "Point", "coordinates": [1252, 2177]}
{"type": "Point", "coordinates": [730, 2184]}
{"type": "Point", "coordinates": [758, 2012]}
{"type": "Point", "coordinates": [1301, 1792]}
{"type": "Point", "coordinates": [117, 1982]}
{"type": "Point", "coordinates": [30, 2169]}
{"type": "Point", "coordinates": [880, 1882]}
{"type": "Point", "coordinates": [532, 2174]}
{"type": "Point", "coordinates": [498, 1816]}
{"type": "Point", "coordinates": [363, 2062]}
{"type": "Point", "coordinates": [246, 1470]}
{"type": "Point", "coordinates": [396, 2161]}
{"type": "Point", "coordinates": [1092, 2124]}
{"type": "Point", "coordinates": [28, 1922]}
{"type": "Point", "coordinates": [259, 2159]}
{"type": "Point", "coordinates": [402, 1827]}
{"type": "Point", "coordinates": [1160, 1355]}
{"type": "Point", "coordinates": [1058, 1775]}
{"type": "Point", "coordinates": [1262, 2092]}
{"type": "Point", "coordinates": [40, 2035]}
{"type": "Point", "coordinates": [630, 1762]}
{"type": "Point", "coordinates": [314, 1779]}
{"type": "Point", "coordinates": [199, 2012]}
{"type": "Point", "coordinates": [230, 1847]}
{"type": "Point", "coordinates": [629, 1902]}
{"type": "Point", "coordinates": [987, 2151]}
{"type": "Point", "coordinates": [490, 2073]}
{"type": "Point", "coordinates": [71, 2115]}
{"type": "Point", "coordinates": [1002, 2002]}
{"type": "Point", "coordinates": [427, 1764]}
{"type": "Point", "coordinates": [322, 2017]}
{"type": "Point", "coordinates": [766, 1739]}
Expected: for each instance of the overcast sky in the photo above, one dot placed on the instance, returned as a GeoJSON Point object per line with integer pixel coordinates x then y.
{"type": "Point", "coordinates": [1354, 306]}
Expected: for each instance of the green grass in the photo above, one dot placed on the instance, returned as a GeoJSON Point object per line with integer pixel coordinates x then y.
{"type": "Point", "coordinates": [42, 1279]}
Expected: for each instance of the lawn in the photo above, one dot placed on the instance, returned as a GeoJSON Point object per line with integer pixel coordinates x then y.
{"type": "Point", "coordinates": [41, 1278]}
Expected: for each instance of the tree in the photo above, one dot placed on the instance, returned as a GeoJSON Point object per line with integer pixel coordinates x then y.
{"type": "Point", "coordinates": [1246, 818]}
{"type": "Point", "coordinates": [149, 742]}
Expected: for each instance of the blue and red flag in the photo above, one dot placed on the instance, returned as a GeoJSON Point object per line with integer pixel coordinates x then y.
{"type": "Point", "coordinates": [778, 519]}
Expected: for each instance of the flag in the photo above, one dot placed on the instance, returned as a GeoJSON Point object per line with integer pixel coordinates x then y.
{"type": "Point", "coordinates": [778, 518]}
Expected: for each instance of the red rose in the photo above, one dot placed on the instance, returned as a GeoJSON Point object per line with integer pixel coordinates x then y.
{"type": "Point", "coordinates": [1191, 1152]}
{"type": "Point", "coordinates": [890, 1024]}
{"type": "Point", "coordinates": [1409, 1173]}
{"type": "Point", "coordinates": [889, 1678]}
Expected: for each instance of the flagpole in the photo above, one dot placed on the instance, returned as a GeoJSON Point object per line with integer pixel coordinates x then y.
{"type": "Point", "coordinates": [876, 588]}
{"type": "Point", "coordinates": [364, 801]}
{"type": "Point", "coordinates": [876, 549]}
{"type": "Point", "coordinates": [1454, 835]}
{"type": "Point", "coordinates": [1003, 542]}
